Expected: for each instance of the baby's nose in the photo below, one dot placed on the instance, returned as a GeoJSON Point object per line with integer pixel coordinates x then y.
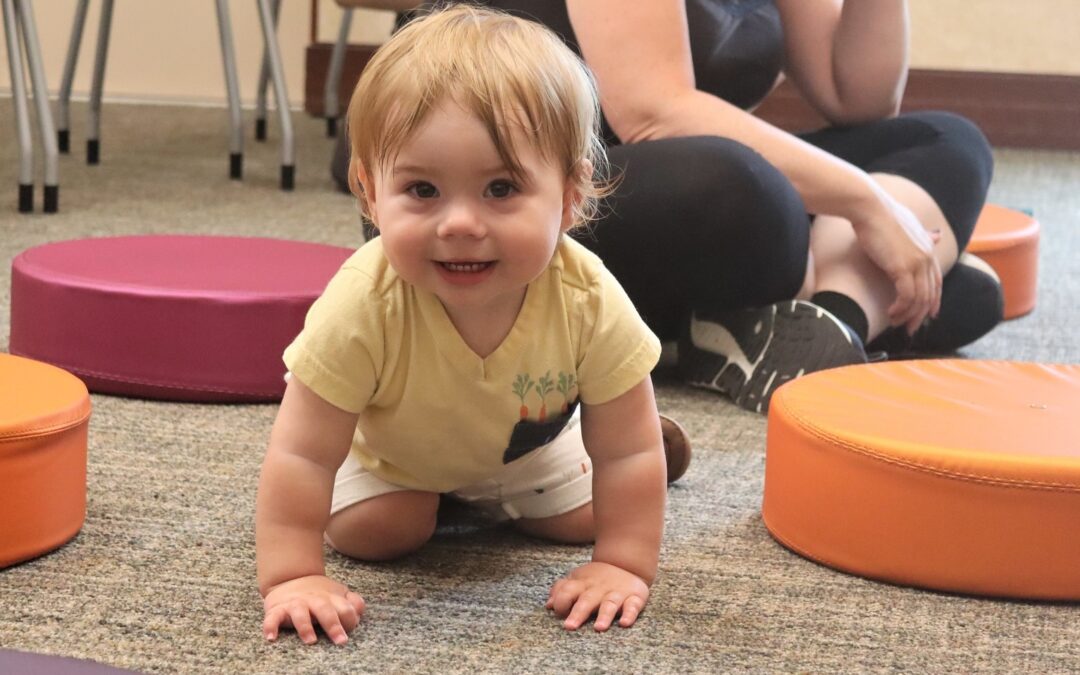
{"type": "Point", "coordinates": [461, 220]}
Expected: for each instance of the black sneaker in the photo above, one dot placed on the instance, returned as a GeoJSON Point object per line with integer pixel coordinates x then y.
{"type": "Point", "coordinates": [748, 353]}
{"type": "Point", "coordinates": [972, 303]}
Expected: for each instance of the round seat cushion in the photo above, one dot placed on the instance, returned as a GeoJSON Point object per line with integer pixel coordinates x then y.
{"type": "Point", "coordinates": [186, 318]}
{"type": "Point", "coordinates": [12, 661]}
{"type": "Point", "coordinates": [1008, 241]}
{"type": "Point", "coordinates": [954, 475]}
{"type": "Point", "coordinates": [44, 413]}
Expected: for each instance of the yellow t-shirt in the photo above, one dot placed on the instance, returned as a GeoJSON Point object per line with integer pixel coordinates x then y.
{"type": "Point", "coordinates": [435, 416]}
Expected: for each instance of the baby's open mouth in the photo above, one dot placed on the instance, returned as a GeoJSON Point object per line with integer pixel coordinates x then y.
{"type": "Point", "coordinates": [466, 266]}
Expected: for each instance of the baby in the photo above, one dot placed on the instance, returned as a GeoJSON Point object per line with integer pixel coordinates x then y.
{"type": "Point", "coordinates": [472, 349]}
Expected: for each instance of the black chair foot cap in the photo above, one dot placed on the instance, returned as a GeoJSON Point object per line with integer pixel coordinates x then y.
{"type": "Point", "coordinates": [26, 198]}
{"type": "Point", "coordinates": [52, 198]}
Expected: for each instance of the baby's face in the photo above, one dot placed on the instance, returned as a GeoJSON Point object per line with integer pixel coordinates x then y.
{"type": "Point", "coordinates": [455, 222]}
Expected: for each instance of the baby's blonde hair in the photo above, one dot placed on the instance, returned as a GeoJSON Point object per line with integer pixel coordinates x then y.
{"type": "Point", "coordinates": [510, 73]}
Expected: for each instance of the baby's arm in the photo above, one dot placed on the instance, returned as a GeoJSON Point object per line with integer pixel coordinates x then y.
{"type": "Point", "coordinates": [308, 443]}
{"type": "Point", "coordinates": [624, 441]}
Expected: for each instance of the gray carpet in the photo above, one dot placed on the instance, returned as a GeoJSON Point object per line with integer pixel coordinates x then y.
{"type": "Point", "coordinates": [161, 578]}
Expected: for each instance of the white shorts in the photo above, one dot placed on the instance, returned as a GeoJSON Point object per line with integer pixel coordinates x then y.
{"type": "Point", "coordinates": [553, 479]}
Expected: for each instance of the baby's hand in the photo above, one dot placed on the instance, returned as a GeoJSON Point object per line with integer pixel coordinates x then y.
{"type": "Point", "coordinates": [602, 589]}
{"type": "Point", "coordinates": [294, 603]}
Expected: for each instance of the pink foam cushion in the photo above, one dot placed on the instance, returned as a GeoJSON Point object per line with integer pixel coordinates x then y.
{"type": "Point", "coordinates": [183, 318]}
{"type": "Point", "coordinates": [45, 664]}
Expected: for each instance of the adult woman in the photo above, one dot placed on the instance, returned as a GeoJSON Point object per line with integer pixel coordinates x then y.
{"type": "Point", "coordinates": [711, 215]}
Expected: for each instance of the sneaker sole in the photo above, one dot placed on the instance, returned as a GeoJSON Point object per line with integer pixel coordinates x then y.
{"type": "Point", "coordinates": [791, 339]}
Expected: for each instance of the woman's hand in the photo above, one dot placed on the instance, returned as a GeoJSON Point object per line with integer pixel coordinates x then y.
{"type": "Point", "coordinates": [294, 603]}
{"type": "Point", "coordinates": [895, 240]}
{"type": "Point", "coordinates": [601, 589]}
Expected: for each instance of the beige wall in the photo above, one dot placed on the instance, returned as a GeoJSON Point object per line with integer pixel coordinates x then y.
{"type": "Point", "coordinates": [1014, 36]}
{"type": "Point", "coordinates": [168, 49]}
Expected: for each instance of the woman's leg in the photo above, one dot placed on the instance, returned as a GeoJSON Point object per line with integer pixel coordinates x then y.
{"type": "Point", "coordinates": [939, 165]}
{"type": "Point", "coordinates": [841, 266]}
{"type": "Point", "coordinates": [699, 223]}
{"type": "Point", "coordinates": [700, 228]}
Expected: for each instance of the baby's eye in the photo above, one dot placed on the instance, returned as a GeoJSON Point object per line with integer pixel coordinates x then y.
{"type": "Point", "coordinates": [501, 189]}
{"type": "Point", "coordinates": [422, 190]}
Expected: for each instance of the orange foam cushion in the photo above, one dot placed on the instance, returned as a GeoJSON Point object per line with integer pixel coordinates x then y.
{"type": "Point", "coordinates": [1008, 241]}
{"type": "Point", "coordinates": [953, 475]}
{"type": "Point", "coordinates": [44, 412]}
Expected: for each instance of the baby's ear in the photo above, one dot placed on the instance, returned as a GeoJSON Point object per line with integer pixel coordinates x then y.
{"type": "Point", "coordinates": [572, 195]}
{"type": "Point", "coordinates": [360, 181]}
{"type": "Point", "coordinates": [585, 170]}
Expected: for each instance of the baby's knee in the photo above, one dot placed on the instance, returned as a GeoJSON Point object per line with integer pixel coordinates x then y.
{"type": "Point", "coordinates": [384, 527]}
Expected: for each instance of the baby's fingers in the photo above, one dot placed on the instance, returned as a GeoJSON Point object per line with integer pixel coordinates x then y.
{"type": "Point", "coordinates": [356, 601]}
{"type": "Point", "coordinates": [563, 596]}
{"type": "Point", "coordinates": [273, 621]}
{"type": "Point", "coordinates": [326, 613]}
{"type": "Point", "coordinates": [301, 621]}
{"type": "Point", "coordinates": [611, 605]}
{"type": "Point", "coordinates": [346, 613]}
{"type": "Point", "coordinates": [583, 609]}
{"type": "Point", "coordinates": [630, 611]}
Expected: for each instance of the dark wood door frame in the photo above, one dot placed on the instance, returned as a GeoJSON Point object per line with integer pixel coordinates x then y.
{"type": "Point", "coordinates": [1013, 110]}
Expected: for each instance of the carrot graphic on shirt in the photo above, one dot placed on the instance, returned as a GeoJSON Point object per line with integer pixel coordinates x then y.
{"type": "Point", "coordinates": [544, 385]}
{"type": "Point", "coordinates": [523, 384]}
{"type": "Point", "coordinates": [566, 383]}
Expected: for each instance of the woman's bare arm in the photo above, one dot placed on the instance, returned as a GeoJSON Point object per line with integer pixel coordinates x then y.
{"type": "Point", "coordinates": [848, 57]}
{"type": "Point", "coordinates": [649, 92]}
{"type": "Point", "coordinates": [640, 54]}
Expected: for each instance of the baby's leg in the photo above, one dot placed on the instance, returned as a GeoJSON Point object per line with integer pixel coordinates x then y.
{"type": "Point", "coordinates": [384, 527]}
{"type": "Point", "coordinates": [574, 527]}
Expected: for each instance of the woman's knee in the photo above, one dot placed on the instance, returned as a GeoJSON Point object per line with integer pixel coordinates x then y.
{"type": "Point", "coordinates": [384, 527]}
{"type": "Point", "coordinates": [750, 216]}
{"type": "Point", "coordinates": [953, 164]}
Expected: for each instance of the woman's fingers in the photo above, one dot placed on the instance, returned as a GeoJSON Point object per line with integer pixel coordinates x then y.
{"type": "Point", "coordinates": [939, 279]}
{"type": "Point", "coordinates": [900, 310]}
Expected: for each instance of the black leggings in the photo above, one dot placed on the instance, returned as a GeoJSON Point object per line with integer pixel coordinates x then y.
{"type": "Point", "coordinates": [707, 222]}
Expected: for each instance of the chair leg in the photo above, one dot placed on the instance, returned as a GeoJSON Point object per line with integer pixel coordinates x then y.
{"type": "Point", "coordinates": [232, 86]}
{"type": "Point", "coordinates": [277, 72]}
{"type": "Point", "coordinates": [63, 108]}
{"type": "Point", "coordinates": [41, 102]}
{"type": "Point", "coordinates": [264, 81]}
{"type": "Point", "coordinates": [333, 75]}
{"type": "Point", "coordinates": [93, 127]}
{"type": "Point", "coordinates": [22, 112]}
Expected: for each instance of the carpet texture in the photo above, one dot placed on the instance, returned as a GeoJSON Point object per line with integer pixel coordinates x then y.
{"type": "Point", "coordinates": [161, 578]}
